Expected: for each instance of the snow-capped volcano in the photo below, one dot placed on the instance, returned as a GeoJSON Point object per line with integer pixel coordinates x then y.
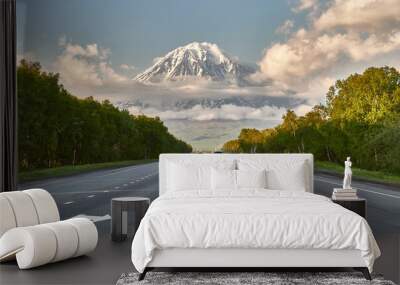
{"type": "Point", "coordinates": [193, 61]}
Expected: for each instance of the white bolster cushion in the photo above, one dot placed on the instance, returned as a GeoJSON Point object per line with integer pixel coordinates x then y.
{"type": "Point", "coordinates": [32, 246]}
{"type": "Point", "coordinates": [23, 208]}
{"type": "Point", "coordinates": [67, 240]}
{"type": "Point", "coordinates": [87, 235]}
{"type": "Point", "coordinates": [46, 207]}
{"type": "Point", "coordinates": [37, 245]}
{"type": "Point", "coordinates": [7, 218]}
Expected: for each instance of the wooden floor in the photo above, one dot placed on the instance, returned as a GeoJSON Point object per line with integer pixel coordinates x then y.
{"type": "Point", "coordinates": [110, 259]}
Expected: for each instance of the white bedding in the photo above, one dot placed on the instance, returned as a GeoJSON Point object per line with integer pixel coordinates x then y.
{"type": "Point", "coordinates": [250, 219]}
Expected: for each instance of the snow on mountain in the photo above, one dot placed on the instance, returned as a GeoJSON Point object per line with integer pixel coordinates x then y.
{"type": "Point", "coordinates": [240, 101]}
{"type": "Point", "coordinates": [211, 103]}
{"type": "Point", "coordinates": [196, 60]}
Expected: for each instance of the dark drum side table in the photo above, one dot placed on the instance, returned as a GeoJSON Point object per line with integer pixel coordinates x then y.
{"type": "Point", "coordinates": [126, 214]}
{"type": "Point", "coordinates": [357, 205]}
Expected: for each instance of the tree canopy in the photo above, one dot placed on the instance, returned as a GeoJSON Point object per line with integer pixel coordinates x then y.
{"type": "Point", "coordinates": [361, 119]}
{"type": "Point", "coordinates": [56, 128]}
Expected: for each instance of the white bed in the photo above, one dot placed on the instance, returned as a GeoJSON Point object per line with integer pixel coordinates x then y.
{"type": "Point", "coordinates": [249, 227]}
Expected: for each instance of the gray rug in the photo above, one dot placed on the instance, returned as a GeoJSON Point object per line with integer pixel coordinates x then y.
{"type": "Point", "coordinates": [269, 278]}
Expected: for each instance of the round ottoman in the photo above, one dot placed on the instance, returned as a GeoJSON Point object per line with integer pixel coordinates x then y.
{"type": "Point", "coordinates": [126, 213]}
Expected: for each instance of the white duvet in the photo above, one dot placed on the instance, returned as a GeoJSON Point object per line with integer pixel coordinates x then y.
{"type": "Point", "coordinates": [250, 219]}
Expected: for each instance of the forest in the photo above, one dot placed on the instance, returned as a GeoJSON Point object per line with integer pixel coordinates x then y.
{"type": "Point", "coordinates": [56, 128]}
{"type": "Point", "coordinates": [360, 118]}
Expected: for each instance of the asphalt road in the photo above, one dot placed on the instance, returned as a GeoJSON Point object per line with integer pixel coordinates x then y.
{"type": "Point", "coordinates": [90, 193]}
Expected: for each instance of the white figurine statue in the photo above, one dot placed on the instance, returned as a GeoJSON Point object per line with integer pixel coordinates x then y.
{"type": "Point", "coordinates": [347, 174]}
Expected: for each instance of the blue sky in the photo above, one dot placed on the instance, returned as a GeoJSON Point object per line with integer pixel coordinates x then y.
{"type": "Point", "coordinates": [299, 48]}
{"type": "Point", "coordinates": [138, 31]}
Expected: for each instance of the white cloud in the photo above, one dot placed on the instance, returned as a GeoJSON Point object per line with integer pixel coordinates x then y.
{"type": "Point", "coordinates": [28, 56]}
{"type": "Point", "coordinates": [303, 109]}
{"type": "Point", "coordinates": [345, 33]}
{"type": "Point", "coordinates": [225, 112]}
{"type": "Point", "coordinates": [77, 71]}
{"type": "Point", "coordinates": [316, 89]}
{"type": "Point", "coordinates": [307, 55]}
{"type": "Point", "coordinates": [285, 28]}
{"type": "Point", "coordinates": [362, 15]}
{"type": "Point", "coordinates": [127, 67]}
{"type": "Point", "coordinates": [110, 75]}
{"type": "Point", "coordinates": [86, 70]}
{"type": "Point", "coordinates": [87, 67]}
{"type": "Point", "coordinates": [62, 41]}
{"type": "Point", "coordinates": [303, 5]}
{"type": "Point", "coordinates": [77, 50]}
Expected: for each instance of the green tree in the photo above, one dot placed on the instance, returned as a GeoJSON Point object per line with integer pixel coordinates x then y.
{"type": "Point", "coordinates": [56, 128]}
{"type": "Point", "coordinates": [369, 97]}
{"type": "Point", "coordinates": [361, 119]}
{"type": "Point", "coordinates": [232, 146]}
{"type": "Point", "coordinates": [250, 140]}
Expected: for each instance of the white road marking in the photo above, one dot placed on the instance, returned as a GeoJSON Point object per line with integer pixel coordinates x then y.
{"type": "Point", "coordinates": [125, 185]}
{"type": "Point", "coordinates": [69, 202]}
{"type": "Point", "coordinates": [369, 191]}
{"type": "Point", "coordinates": [116, 187]}
{"type": "Point", "coordinates": [119, 170]}
{"type": "Point", "coordinates": [106, 191]}
{"type": "Point", "coordinates": [95, 219]}
{"type": "Point", "coordinates": [91, 196]}
{"type": "Point", "coordinates": [123, 169]}
{"type": "Point", "coordinates": [132, 182]}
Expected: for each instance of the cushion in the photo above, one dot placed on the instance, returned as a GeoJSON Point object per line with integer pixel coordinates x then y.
{"type": "Point", "coordinates": [46, 207]}
{"type": "Point", "coordinates": [193, 175]}
{"type": "Point", "coordinates": [67, 240]}
{"type": "Point", "coordinates": [23, 208]}
{"type": "Point", "coordinates": [287, 175]}
{"type": "Point", "coordinates": [7, 218]}
{"type": "Point", "coordinates": [32, 246]}
{"type": "Point", "coordinates": [223, 179]}
{"type": "Point", "coordinates": [87, 235]}
{"type": "Point", "coordinates": [26, 208]}
{"type": "Point", "coordinates": [183, 177]}
{"type": "Point", "coordinates": [41, 244]}
{"type": "Point", "coordinates": [251, 178]}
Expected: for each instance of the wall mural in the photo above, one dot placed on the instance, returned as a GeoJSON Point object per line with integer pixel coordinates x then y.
{"type": "Point", "coordinates": [123, 80]}
{"type": "Point", "coordinates": [105, 86]}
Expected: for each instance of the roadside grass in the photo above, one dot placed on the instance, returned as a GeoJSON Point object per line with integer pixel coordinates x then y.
{"type": "Point", "coordinates": [377, 176]}
{"type": "Point", "coordinates": [26, 176]}
{"type": "Point", "coordinates": [70, 169]}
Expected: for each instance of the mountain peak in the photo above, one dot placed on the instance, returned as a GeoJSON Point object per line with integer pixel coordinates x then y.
{"type": "Point", "coordinates": [193, 61]}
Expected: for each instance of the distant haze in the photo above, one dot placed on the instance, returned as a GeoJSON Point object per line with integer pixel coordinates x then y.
{"type": "Point", "coordinates": [208, 68]}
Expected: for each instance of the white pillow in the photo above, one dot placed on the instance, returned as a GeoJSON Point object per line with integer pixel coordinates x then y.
{"type": "Point", "coordinates": [185, 178]}
{"type": "Point", "coordinates": [185, 174]}
{"type": "Point", "coordinates": [287, 175]}
{"type": "Point", "coordinates": [223, 179]}
{"type": "Point", "coordinates": [251, 178]}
